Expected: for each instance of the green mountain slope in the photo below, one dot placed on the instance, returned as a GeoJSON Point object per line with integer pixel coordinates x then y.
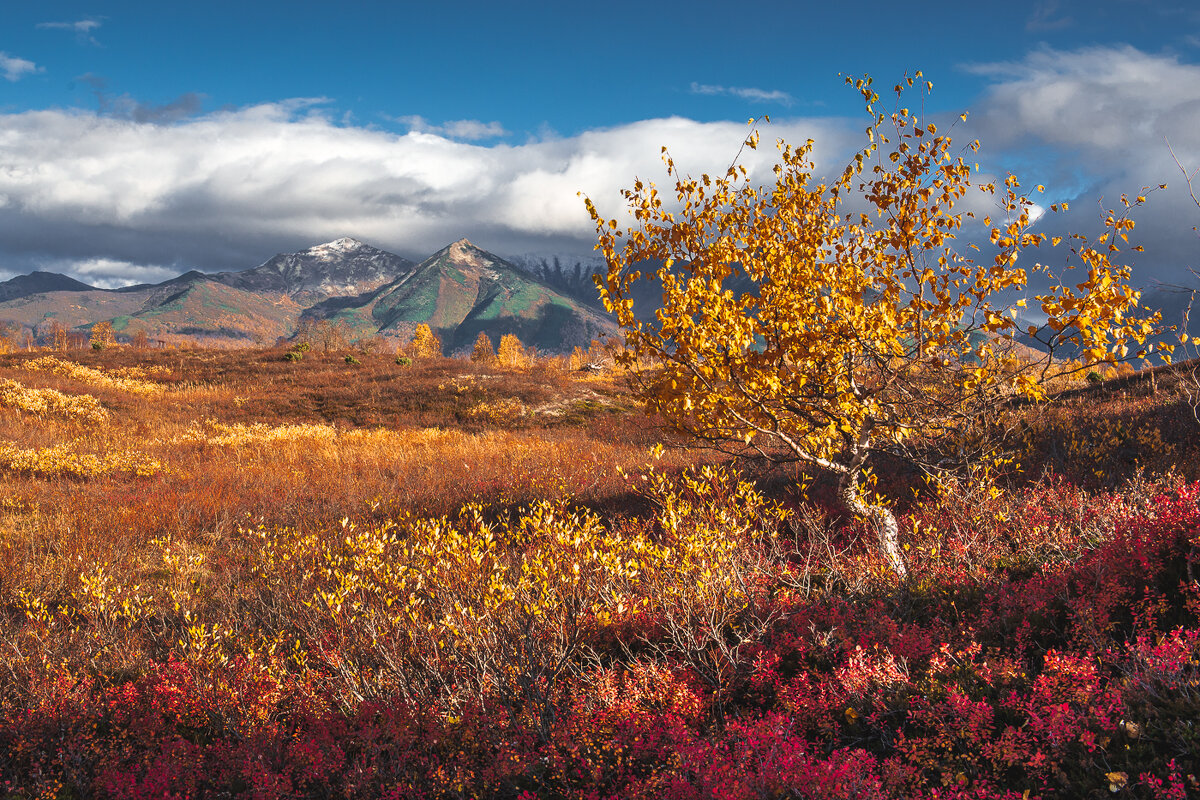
{"type": "Point", "coordinates": [462, 290]}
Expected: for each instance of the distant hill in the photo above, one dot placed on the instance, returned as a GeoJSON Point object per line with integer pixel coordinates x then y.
{"type": "Point", "coordinates": [38, 283]}
{"type": "Point", "coordinates": [459, 291]}
{"type": "Point", "coordinates": [570, 275]}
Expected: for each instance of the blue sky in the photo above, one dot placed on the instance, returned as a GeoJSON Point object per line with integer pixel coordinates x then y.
{"type": "Point", "coordinates": [138, 139]}
{"type": "Point", "coordinates": [563, 66]}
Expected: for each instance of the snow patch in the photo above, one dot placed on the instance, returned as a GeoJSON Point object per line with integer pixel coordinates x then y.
{"type": "Point", "coordinates": [335, 249]}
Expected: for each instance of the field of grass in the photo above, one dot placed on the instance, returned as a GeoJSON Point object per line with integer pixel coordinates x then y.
{"type": "Point", "coordinates": [225, 574]}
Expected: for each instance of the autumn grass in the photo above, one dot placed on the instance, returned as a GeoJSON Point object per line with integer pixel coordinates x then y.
{"type": "Point", "coordinates": [228, 438]}
{"type": "Point", "coordinates": [300, 551]}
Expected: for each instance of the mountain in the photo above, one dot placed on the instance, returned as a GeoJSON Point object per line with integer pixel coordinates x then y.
{"type": "Point", "coordinates": [38, 283]}
{"type": "Point", "coordinates": [459, 291]}
{"type": "Point", "coordinates": [462, 290]}
{"type": "Point", "coordinates": [342, 267]}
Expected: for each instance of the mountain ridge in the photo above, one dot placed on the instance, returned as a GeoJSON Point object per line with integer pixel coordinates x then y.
{"type": "Point", "coordinates": [342, 266]}
{"type": "Point", "coordinates": [460, 291]}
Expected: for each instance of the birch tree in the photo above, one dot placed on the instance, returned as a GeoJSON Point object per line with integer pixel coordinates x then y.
{"type": "Point", "coordinates": [829, 322]}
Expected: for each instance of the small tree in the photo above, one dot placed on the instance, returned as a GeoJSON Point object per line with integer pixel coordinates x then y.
{"type": "Point", "coordinates": [577, 359]}
{"type": "Point", "coordinates": [512, 353]}
{"type": "Point", "coordinates": [102, 335]}
{"type": "Point", "coordinates": [483, 352]}
{"type": "Point", "coordinates": [425, 343]}
{"type": "Point", "coordinates": [59, 336]}
{"type": "Point", "coordinates": [306, 333]}
{"type": "Point", "coordinates": [332, 335]}
{"type": "Point", "coordinates": [832, 323]}
{"type": "Point", "coordinates": [370, 344]}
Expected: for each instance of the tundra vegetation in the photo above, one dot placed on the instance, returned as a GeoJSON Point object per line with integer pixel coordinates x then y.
{"type": "Point", "coordinates": [230, 573]}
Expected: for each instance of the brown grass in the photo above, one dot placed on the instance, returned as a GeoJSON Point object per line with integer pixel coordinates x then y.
{"type": "Point", "coordinates": [245, 437]}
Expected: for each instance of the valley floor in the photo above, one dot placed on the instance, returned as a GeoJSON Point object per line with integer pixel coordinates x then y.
{"type": "Point", "coordinates": [225, 574]}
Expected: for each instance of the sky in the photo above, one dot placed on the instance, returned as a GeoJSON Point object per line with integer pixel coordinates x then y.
{"type": "Point", "coordinates": [139, 140]}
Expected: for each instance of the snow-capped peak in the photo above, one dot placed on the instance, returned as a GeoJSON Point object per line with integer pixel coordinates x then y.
{"type": "Point", "coordinates": [334, 249]}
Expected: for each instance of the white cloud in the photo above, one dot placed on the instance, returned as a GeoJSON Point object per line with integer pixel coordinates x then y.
{"type": "Point", "coordinates": [1097, 97]}
{"type": "Point", "coordinates": [16, 68]}
{"type": "Point", "coordinates": [109, 273]}
{"type": "Point", "coordinates": [745, 93]}
{"type": "Point", "coordinates": [466, 129]}
{"type": "Point", "coordinates": [227, 189]}
{"type": "Point", "coordinates": [82, 28]}
{"type": "Point", "coordinates": [1094, 123]}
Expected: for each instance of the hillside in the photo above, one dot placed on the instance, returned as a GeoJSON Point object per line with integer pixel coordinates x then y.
{"type": "Point", "coordinates": [39, 283]}
{"type": "Point", "coordinates": [460, 291]}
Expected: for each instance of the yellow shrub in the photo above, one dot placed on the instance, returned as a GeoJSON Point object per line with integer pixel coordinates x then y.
{"type": "Point", "coordinates": [141, 372]}
{"type": "Point", "coordinates": [78, 372]}
{"type": "Point", "coordinates": [239, 435]}
{"type": "Point", "coordinates": [50, 402]}
{"type": "Point", "coordinates": [444, 610]}
{"type": "Point", "coordinates": [64, 459]}
{"type": "Point", "coordinates": [504, 411]}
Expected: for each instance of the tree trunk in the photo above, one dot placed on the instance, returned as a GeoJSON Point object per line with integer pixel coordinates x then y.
{"type": "Point", "coordinates": [881, 519]}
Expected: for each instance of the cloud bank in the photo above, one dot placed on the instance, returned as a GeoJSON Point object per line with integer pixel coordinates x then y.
{"type": "Point", "coordinates": [228, 189]}
{"type": "Point", "coordinates": [1095, 123]}
{"type": "Point", "coordinates": [133, 194]}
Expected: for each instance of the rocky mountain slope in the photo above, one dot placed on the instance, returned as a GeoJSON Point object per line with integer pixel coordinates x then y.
{"type": "Point", "coordinates": [462, 290]}
{"type": "Point", "coordinates": [459, 291]}
{"type": "Point", "coordinates": [339, 268]}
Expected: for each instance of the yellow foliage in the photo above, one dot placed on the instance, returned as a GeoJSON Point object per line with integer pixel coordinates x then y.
{"type": "Point", "coordinates": [512, 353]}
{"type": "Point", "coordinates": [102, 334]}
{"type": "Point", "coordinates": [240, 435]}
{"type": "Point", "coordinates": [482, 352]}
{"type": "Point", "coordinates": [51, 402]}
{"type": "Point", "coordinates": [141, 372]}
{"type": "Point", "coordinates": [504, 411]}
{"type": "Point", "coordinates": [454, 603]}
{"type": "Point", "coordinates": [425, 343]}
{"type": "Point", "coordinates": [64, 459]}
{"type": "Point", "coordinates": [70, 369]}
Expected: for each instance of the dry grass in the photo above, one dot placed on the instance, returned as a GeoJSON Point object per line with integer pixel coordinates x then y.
{"type": "Point", "coordinates": [197, 444]}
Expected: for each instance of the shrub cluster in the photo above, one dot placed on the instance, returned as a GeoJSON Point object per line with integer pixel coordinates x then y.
{"type": "Point", "coordinates": [1046, 645]}
{"type": "Point", "coordinates": [67, 460]}
{"type": "Point", "coordinates": [51, 402]}
{"type": "Point", "coordinates": [78, 372]}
